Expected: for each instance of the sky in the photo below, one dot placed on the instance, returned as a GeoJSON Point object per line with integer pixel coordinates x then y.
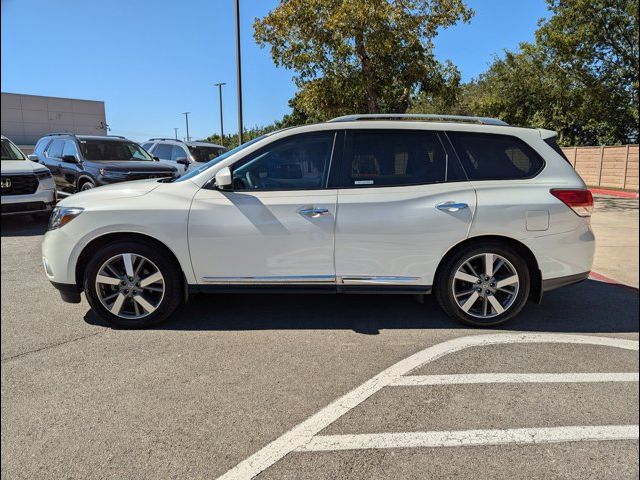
{"type": "Point", "coordinates": [149, 61]}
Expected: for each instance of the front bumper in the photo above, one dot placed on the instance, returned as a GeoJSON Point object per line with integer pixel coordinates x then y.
{"type": "Point", "coordinates": [43, 200]}
{"type": "Point", "coordinates": [68, 292]}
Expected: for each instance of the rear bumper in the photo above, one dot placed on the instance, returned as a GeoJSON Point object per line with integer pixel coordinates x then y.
{"type": "Point", "coordinates": [70, 293]}
{"type": "Point", "coordinates": [553, 283]}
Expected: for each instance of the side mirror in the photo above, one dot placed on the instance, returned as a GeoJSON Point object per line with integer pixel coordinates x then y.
{"type": "Point", "coordinates": [182, 161]}
{"type": "Point", "coordinates": [157, 159]}
{"type": "Point", "coordinates": [223, 179]}
{"type": "Point", "coordinates": [34, 158]}
{"type": "Point", "coordinates": [69, 159]}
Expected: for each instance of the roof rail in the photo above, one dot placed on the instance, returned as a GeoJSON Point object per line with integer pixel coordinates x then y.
{"type": "Point", "coordinates": [165, 139]}
{"type": "Point", "coordinates": [60, 133]}
{"type": "Point", "coordinates": [423, 117]}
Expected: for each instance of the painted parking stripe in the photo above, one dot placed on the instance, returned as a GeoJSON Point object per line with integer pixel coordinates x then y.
{"type": "Point", "coordinates": [304, 432]}
{"type": "Point", "coordinates": [465, 438]}
{"type": "Point", "coordinates": [424, 380]}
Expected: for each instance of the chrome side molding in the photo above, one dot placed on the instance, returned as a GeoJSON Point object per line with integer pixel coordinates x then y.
{"type": "Point", "coordinates": [272, 279]}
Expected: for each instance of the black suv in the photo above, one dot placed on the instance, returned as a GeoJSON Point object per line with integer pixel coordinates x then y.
{"type": "Point", "coordinates": [81, 162]}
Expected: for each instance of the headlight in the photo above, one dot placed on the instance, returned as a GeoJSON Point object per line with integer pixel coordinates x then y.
{"type": "Point", "coordinates": [113, 174]}
{"type": "Point", "coordinates": [63, 215]}
{"type": "Point", "coordinates": [44, 174]}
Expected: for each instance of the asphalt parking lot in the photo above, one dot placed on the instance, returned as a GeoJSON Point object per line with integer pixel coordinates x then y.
{"type": "Point", "coordinates": [335, 387]}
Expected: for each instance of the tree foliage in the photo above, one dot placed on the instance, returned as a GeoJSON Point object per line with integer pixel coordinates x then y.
{"type": "Point", "coordinates": [360, 55]}
{"type": "Point", "coordinates": [580, 77]}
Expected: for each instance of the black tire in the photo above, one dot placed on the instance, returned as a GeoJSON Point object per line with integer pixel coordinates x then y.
{"type": "Point", "coordinates": [170, 270]}
{"type": "Point", "coordinates": [443, 287]}
{"type": "Point", "coordinates": [86, 185]}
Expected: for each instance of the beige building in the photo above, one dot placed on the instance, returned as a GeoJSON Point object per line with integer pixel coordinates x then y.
{"type": "Point", "coordinates": [26, 118]}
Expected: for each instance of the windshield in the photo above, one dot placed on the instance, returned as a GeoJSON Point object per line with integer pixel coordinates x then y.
{"type": "Point", "coordinates": [113, 150]}
{"type": "Point", "coordinates": [10, 151]}
{"type": "Point", "coordinates": [218, 159]}
{"type": "Point", "coordinates": [204, 154]}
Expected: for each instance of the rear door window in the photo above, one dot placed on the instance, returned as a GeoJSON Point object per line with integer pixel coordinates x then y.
{"type": "Point", "coordinates": [487, 156]}
{"type": "Point", "coordinates": [390, 158]}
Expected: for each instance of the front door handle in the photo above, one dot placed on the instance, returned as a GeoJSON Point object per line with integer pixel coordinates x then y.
{"type": "Point", "coordinates": [451, 206]}
{"type": "Point", "coordinates": [313, 212]}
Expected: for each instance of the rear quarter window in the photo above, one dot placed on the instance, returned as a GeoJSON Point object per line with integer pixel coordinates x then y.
{"type": "Point", "coordinates": [486, 156]}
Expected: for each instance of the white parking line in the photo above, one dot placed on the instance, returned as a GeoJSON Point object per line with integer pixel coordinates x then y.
{"type": "Point", "coordinates": [424, 380]}
{"type": "Point", "coordinates": [465, 438]}
{"type": "Point", "coordinates": [304, 432]}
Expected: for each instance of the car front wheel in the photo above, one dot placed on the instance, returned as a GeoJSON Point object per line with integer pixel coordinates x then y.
{"type": "Point", "coordinates": [484, 285]}
{"type": "Point", "coordinates": [132, 285]}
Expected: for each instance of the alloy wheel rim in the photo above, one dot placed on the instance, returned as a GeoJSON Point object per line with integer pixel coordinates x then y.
{"type": "Point", "coordinates": [87, 186]}
{"type": "Point", "coordinates": [130, 286]}
{"type": "Point", "coordinates": [485, 285]}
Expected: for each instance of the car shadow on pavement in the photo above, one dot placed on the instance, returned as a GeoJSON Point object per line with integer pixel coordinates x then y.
{"type": "Point", "coordinates": [590, 307]}
{"type": "Point", "coordinates": [22, 226]}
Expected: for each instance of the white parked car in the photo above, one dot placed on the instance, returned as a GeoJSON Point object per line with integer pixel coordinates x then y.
{"type": "Point", "coordinates": [185, 156]}
{"type": "Point", "coordinates": [27, 187]}
{"type": "Point", "coordinates": [484, 215]}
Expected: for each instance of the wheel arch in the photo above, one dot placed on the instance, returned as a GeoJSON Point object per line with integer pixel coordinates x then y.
{"type": "Point", "coordinates": [536, 276]}
{"type": "Point", "coordinates": [82, 178]}
{"type": "Point", "coordinates": [102, 240]}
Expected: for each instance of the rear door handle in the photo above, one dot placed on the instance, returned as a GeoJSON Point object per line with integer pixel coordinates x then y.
{"type": "Point", "coordinates": [451, 206]}
{"type": "Point", "coordinates": [313, 212]}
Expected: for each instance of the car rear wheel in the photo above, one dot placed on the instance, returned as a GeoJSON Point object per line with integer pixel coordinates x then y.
{"type": "Point", "coordinates": [484, 285]}
{"type": "Point", "coordinates": [133, 285]}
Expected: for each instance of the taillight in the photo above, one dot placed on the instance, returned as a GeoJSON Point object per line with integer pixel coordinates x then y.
{"type": "Point", "coordinates": [578, 200]}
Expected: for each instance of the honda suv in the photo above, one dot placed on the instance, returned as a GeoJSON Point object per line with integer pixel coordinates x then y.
{"type": "Point", "coordinates": [82, 162]}
{"type": "Point", "coordinates": [483, 215]}
{"type": "Point", "coordinates": [26, 186]}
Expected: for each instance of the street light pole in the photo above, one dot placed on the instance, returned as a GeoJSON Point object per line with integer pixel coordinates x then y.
{"type": "Point", "coordinates": [239, 72]}
{"type": "Point", "coordinates": [186, 116]}
{"type": "Point", "coordinates": [175, 130]}
{"type": "Point", "coordinates": [219, 85]}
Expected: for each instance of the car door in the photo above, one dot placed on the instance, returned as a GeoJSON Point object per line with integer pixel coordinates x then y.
{"type": "Point", "coordinates": [178, 156]}
{"type": "Point", "coordinates": [163, 152]}
{"type": "Point", "coordinates": [276, 226]}
{"type": "Point", "coordinates": [53, 161]}
{"type": "Point", "coordinates": [403, 202]}
{"type": "Point", "coordinates": [69, 168]}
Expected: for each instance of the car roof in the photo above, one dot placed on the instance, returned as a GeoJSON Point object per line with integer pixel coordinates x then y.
{"type": "Point", "coordinates": [109, 138]}
{"type": "Point", "coordinates": [410, 124]}
{"type": "Point", "coordinates": [200, 143]}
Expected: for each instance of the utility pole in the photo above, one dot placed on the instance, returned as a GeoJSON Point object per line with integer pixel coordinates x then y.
{"type": "Point", "coordinates": [175, 131]}
{"type": "Point", "coordinates": [239, 72]}
{"type": "Point", "coordinates": [186, 116]}
{"type": "Point", "coordinates": [219, 85]}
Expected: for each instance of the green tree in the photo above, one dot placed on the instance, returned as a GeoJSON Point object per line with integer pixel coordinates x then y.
{"type": "Point", "coordinates": [580, 77]}
{"type": "Point", "coordinates": [360, 55]}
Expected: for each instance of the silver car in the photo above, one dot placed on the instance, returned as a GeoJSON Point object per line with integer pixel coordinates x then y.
{"type": "Point", "coordinates": [27, 187]}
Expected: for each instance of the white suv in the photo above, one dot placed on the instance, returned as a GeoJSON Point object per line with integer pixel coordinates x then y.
{"type": "Point", "coordinates": [484, 215]}
{"type": "Point", "coordinates": [27, 187]}
{"type": "Point", "coordinates": [185, 156]}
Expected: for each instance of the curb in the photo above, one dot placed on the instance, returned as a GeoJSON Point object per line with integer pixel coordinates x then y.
{"type": "Point", "coordinates": [598, 277]}
{"type": "Point", "coordinates": [614, 193]}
